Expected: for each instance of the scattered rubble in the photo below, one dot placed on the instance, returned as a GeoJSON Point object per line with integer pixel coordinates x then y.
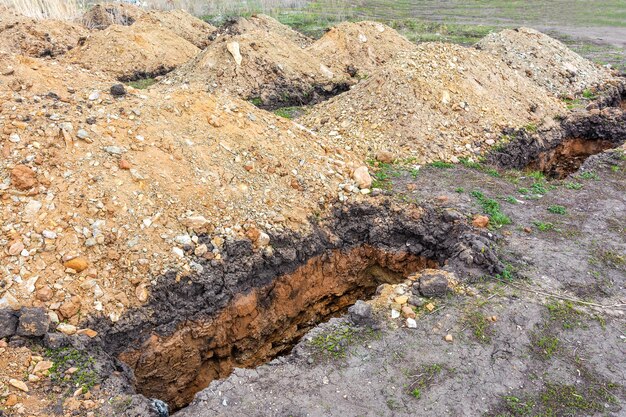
{"type": "Point", "coordinates": [546, 61]}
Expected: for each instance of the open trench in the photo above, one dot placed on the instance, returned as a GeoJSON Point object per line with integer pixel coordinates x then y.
{"type": "Point", "coordinates": [254, 306]}
{"type": "Point", "coordinates": [561, 151]}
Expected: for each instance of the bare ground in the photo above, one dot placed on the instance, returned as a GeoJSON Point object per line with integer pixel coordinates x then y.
{"type": "Point", "coordinates": [542, 355]}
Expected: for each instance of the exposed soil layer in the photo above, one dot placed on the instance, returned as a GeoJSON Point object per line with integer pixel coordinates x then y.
{"type": "Point", "coordinates": [244, 313]}
{"type": "Point", "coordinates": [559, 151]}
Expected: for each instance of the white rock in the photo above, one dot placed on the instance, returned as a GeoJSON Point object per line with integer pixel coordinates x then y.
{"type": "Point", "coordinates": [178, 252]}
{"type": "Point", "coordinates": [395, 314]}
{"type": "Point", "coordinates": [67, 329]}
{"type": "Point", "coordinates": [95, 95]}
{"type": "Point", "coordinates": [14, 137]}
{"type": "Point", "coordinates": [233, 48]}
{"type": "Point", "coordinates": [49, 234]}
{"type": "Point", "coordinates": [411, 323]}
{"type": "Point", "coordinates": [183, 239]}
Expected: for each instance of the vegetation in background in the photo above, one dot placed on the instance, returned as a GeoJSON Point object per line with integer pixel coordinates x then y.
{"type": "Point", "coordinates": [492, 209]}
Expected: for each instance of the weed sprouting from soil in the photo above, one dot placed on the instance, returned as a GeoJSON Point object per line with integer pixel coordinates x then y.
{"type": "Point", "coordinates": [478, 323]}
{"type": "Point", "coordinates": [74, 367]}
{"type": "Point", "coordinates": [143, 83]}
{"type": "Point", "coordinates": [543, 226]}
{"type": "Point", "coordinates": [573, 186]}
{"type": "Point", "coordinates": [565, 314]}
{"type": "Point", "coordinates": [492, 209]}
{"type": "Point", "coordinates": [289, 112]}
{"type": "Point", "coordinates": [441, 164]}
{"type": "Point", "coordinates": [335, 341]}
{"type": "Point", "coordinates": [423, 377]}
{"type": "Point", "coordinates": [557, 209]}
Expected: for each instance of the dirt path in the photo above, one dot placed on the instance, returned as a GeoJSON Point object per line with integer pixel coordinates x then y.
{"type": "Point", "coordinates": [541, 355]}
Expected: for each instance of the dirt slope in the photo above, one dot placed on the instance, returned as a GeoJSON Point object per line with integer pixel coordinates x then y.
{"type": "Point", "coordinates": [123, 184]}
{"type": "Point", "coordinates": [130, 52]}
{"type": "Point", "coordinates": [264, 23]}
{"type": "Point", "coordinates": [37, 38]}
{"type": "Point", "coordinates": [103, 15]}
{"type": "Point", "coordinates": [362, 46]}
{"type": "Point", "coordinates": [545, 60]}
{"type": "Point", "coordinates": [261, 65]}
{"type": "Point", "coordinates": [439, 102]}
{"type": "Point", "coordinates": [183, 24]}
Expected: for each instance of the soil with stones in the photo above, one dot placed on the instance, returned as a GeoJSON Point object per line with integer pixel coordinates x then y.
{"type": "Point", "coordinates": [155, 241]}
{"type": "Point", "coordinates": [521, 344]}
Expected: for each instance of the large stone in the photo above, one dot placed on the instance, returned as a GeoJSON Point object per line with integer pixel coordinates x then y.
{"type": "Point", "coordinates": [33, 322]}
{"type": "Point", "coordinates": [434, 283]}
{"type": "Point", "coordinates": [23, 178]}
{"type": "Point", "coordinates": [78, 264]}
{"type": "Point", "coordinates": [362, 177]}
{"type": "Point", "coordinates": [361, 313]}
{"type": "Point", "coordinates": [8, 323]}
{"type": "Point", "coordinates": [55, 340]}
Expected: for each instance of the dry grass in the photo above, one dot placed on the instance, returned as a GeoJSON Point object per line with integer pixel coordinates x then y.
{"type": "Point", "coordinates": [43, 9]}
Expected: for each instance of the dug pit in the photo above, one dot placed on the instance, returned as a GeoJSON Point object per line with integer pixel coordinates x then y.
{"type": "Point", "coordinates": [561, 150]}
{"type": "Point", "coordinates": [256, 305]}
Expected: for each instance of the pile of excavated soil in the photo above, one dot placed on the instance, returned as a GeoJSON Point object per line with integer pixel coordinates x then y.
{"type": "Point", "coordinates": [264, 23]}
{"type": "Point", "coordinates": [38, 38]}
{"type": "Point", "coordinates": [183, 24]}
{"type": "Point", "coordinates": [130, 52]}
{"type": "Point", "coordinates": [100, 195]}
{"type": "Point", "coordinates": [545, 60]}
{"type": "Point", "coordinates": [103, 15]}
{"type": "Point", "coordinates": [362, 46]}
{"type": "Point", "coordinates": [261, 65]}
{"type": "Point", "coordinates": [440, 102]}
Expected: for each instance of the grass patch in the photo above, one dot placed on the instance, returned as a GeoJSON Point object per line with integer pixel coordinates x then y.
{"type": "Point", "coordinates": [143, 83]}
{"type": "Point", "coordinates": [424, 377]}
{"type": "Point", "coordinates": [573, 186]}
{"type": "Point", "coordinates": [543, 226]}
{"type": "Point", "coordinates": [441, 164]}
{"type": "Point", "coordinates": [589, 175]}
{"type": "Point", "coordinates": [289, 112]}
{"type": "Point", "coordinates": [85, 375]}
{"type": "Point", "coordinates": [492, 209]}
{"type": "Point", "coordinates": [564, 314]}
{"type": "Point", "coordinates": [334, 342]}
{"type": "Point", "coordinates": [479, 325]}
{"type": "Point", "coordinates": [544, 344]}
{"type": "Point", "coordinates": [556, 209]}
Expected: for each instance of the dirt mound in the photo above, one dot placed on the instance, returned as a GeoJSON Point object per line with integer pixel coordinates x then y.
{"type": "Point", "coordinates": [263, 23]}
{"type": "Point", "coordinates": [263, 66]}
{"type": "Point", "coordinates": [103, 15]}
{"type": "Point", "coordinates": [440, 102]}
{"type": "Point", "coordinates": [117, 189]}
{"type": "Point", "coordinates": [132, 52]}
{"type": "Point", "coordinates": [545, 60]}
{"type": "Point", "coordinates": [183, 24]}
{"type": "Point", "coordinates": [37, 38]}
{"type": "Point", "coordinates": [362, 46]}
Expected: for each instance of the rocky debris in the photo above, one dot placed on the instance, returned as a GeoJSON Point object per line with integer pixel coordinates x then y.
{"type": "Point", "coordinates": [262, 23]}
{"type": "Point", "coordinates": [102, 15]}
{"type": "Point", "coordinates": [545, 60]}
{"type": "Point", "coordinates": [480, 221]}
{"type": "Point", "coordinates": [461, 103]}
{"type": "Point", "coordinates": [183, 24]}
{"type": "Point", "coordinates": [78, 264]}
{"type": "Point", "coordinates": [8, 323]}
{"type": "Point", "coordinates": [18, 384]}
{"type": "Point", "coordinates": [261, 66]}
{"type": "Point", "coordinates": [23, 177]}
{"type": "Point", "coordinates": [130, 52]}
{"type": "Point", "coordinates": [362, 177]}
{"type": "Point", "coordinates": [360, 48]}
{"type": "Point", "coordinates": [37, 37]}
{"type": "Point", "coordinates": [361, 314]}
{"type": "Point", "coordinates": [434, 283]}
{"type": "Point", "coordinates": [118, 90]}
{"type": "Point", "coordinates": [33, 322]}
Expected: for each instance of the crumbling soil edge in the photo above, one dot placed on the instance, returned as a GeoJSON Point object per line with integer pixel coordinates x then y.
{"type": "Point", "coordinates": [441, 235]}
{"type": "Point", "coordinates": [525, 148]}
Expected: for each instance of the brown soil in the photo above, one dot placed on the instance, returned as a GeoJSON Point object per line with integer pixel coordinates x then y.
{"type": "Point", "coordinates": [132, 52]}
{"type": "Point", "coordinates": [264, 323]}
{"type": "Point", "coordinates": [103, 15]}
{"type": "Point", "coordinates": [568, 156]}
{"type": "Point", "coordinates": [460, 103]}
{"type": "Point", "coordinates": [267, 24]}
{"type": "Point", "coordinates": [38, 38]}
{"type": "Point", "coordinates": [362, 46]}
{"type": "Point", "coordinates": [268, 66]}
{"type": "Point", "coordinates": [545, 60]}
{"type": "Point", "coordinates": [183, 24]}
